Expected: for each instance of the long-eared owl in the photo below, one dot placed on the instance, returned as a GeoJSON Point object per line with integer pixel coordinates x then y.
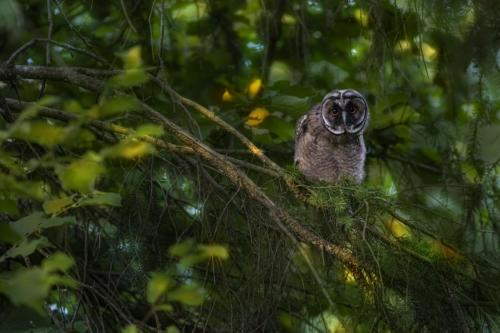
{"type": "Point", "coordinates": [329, 141]}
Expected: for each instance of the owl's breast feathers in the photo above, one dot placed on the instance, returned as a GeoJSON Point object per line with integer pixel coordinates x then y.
{"type": "Point", "coordinates": [322, 156]}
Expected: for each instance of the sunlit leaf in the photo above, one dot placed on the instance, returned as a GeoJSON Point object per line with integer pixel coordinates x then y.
{"type": "Point", "coordinates": [129, 78]}
{"type": "Point", "coordinates": [132, 58]}
{"type": "Point", "coordinates": [214, 251]}
{"type": "Point", "coordinates": [26, 287]}
{"type": "Point", "coordinates": [398, 229]}
{"type": "Point", "coordinates": [182, 248]}
{"type": "Point", "coordinates": [362, 17]}
{"type": "Point", "coordinates": [40, 132]}
{"type": "Point", "coordinates": [157, 286]}
{"type": "Point", "coordinates": [257, 116]}
{"type": "Point", "coordinates": [150, 129]}
{"type": "Point", "coordinates": [130, 149]}
{"type": "Point", "coordinates": [188, 295]}
{"type": "Point", "coordinates": [227, 96]}
{"type": "Point", "coordinates": [28, 189]}
{"type": "Point", "coordinates": [81, 174]}
{"type": "Point", "coordinates": [279, 71]}
{"type": "Point", "coordinates": [57, 262]}
{"type": "Point", "coordinates": [117, 105]}
{"type": "Point", "coordinates": [164, 307]}
{"type": "Point", "coordinates": [403, 45]}
{"type": "Point", "coordinates": [55, 206]}
{"type": "Point", "coordinates": [429, 52]}
{"type": "Point", "coordinates": [254, 87]}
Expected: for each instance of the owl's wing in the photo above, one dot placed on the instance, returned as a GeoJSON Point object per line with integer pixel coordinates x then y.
{"type": "Point", "coordinates": [300, 130]}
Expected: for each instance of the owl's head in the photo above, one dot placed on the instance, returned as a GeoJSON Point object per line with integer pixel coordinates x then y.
{"type": "Point", "coordinates": [344, 111]}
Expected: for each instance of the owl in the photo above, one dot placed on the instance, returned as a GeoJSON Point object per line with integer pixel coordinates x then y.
{"type": "Point", "coordinates": [329, 140]}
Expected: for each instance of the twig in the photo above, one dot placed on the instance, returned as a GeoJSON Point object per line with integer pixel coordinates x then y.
{"type": "Point", "coordinates": [70, 47]}
{"type": "Point", "coordinates": [124, 9]}
{"type": "Point", "coordinates": [48, 56]}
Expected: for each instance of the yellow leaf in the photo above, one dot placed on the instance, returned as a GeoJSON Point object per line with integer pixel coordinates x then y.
{"type": "Point", "coordinates": [257, 116]}
{"type": "Point", "coordinates": [348, 276]}
{"type": "Point", "coordinates": [132, 58]}
{"type": "Point", "coordinates": [129, 149]}
{"type": "Point", "coordinates": [362, 17]}
{"type": "Point", "coordinates": [399, 229]}
{"type": "Point", "coordinates": [403, 45]}
{"type": "Point", "coordinates": [445, 251]}
{"type": "Point", "coordinates": [429, 52]}
{"type": "Point", "coordinates": [136, 149]}
{"type": "Point", "coordinates": [255, 87]}
{"type": "Point", "coordinates": [227, 96]}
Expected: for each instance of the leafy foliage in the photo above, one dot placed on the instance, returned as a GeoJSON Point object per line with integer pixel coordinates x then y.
{"type": "Point", "coordinates": [112, 218]}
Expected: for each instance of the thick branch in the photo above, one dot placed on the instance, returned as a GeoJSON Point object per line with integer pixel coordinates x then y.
{"type": "Point", "coordinates": [10, 73]}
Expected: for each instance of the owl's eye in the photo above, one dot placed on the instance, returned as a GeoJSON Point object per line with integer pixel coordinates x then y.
{"type": "Point", "coordinates": [352, 108]}
{"type": "Point", "coordinates": [335, 110]}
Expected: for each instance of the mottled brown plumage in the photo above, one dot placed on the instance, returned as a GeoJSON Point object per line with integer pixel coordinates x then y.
{"type": "Point", "coordinates": [329, 140]}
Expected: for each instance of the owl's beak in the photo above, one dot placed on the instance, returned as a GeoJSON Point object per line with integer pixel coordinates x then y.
{"type": "Point", "coordinates": [344, 121]}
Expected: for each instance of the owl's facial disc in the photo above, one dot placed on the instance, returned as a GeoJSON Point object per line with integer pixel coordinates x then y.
{"type": "Point", "coordinates": [344, 111]}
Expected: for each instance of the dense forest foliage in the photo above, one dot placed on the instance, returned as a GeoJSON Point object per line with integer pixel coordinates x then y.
{"type": "Point", "coordinates": [147, 180]}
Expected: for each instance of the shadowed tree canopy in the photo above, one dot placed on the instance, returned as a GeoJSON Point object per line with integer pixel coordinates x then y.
{"type": "Point", "coordinates": [147, 180]}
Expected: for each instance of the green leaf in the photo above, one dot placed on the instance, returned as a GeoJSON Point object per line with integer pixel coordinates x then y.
{"type": "Point", "coordinates": [36, 221]}
{"type": "Point", "coordinates": [130, 329]}
{"type": "Point", "coordinates": [30, 286]}
{"type": "Point", "coordinates": [26, 287]}
{"type": "Point", "coordinates": [284, 130]}
{"type": "Point", "coordinates": [214, 251]}
{"type": "Point", "coordinates": [157, 286]}
{"type": "Point", "coordinates": [164, 307]}
{"type": "Point", "coordinates": [182, 248]}
{"type": "Point", "coordinates": [117, 105]}
{"type": "Point", "coordinates": [132, 58]}
{"type": "Point", "coordinates": [102, 198]}
{"type": "Point", "coordinates": [172, 329]}
{"type": "Point", "coordinates": [57, 262]}
{"type": "Point", "coordinates": [187, 294]}
{"type": "Point", "coordinates": [58, 205]}
{"type": "Point", "coordinates": [129, 78]}
{"type": "Point", "coordinates": [8, 235]}
{"type": "Point", "coordinates": [25, 248]}
{"type": "Point", "coordinates": [25, 189]}
{"type": "Point", "coordinates": [130, 149]}
{"type": "Point", "coordinates": [9, 206]}
{"type": "Point", "coordinates": [150, 129]}
{"type": "Point", "coordinates": [81, 174]}
{"type": "Point", "coordinates": [40, 132]}
{"type": "Point", "coordinates": [291, 105]}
